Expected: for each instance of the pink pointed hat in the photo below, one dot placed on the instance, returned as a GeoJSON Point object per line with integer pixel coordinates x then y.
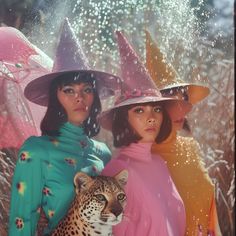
{"type": "Point", "coordinates": [69, 58]}
{"type": "Point", "coordinates": [165, 76]}
{"type": "Point", "coordinates": [137, 86]}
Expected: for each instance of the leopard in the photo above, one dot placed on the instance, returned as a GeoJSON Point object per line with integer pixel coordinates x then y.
{"type": "Point", "coordinates": [98, 205]}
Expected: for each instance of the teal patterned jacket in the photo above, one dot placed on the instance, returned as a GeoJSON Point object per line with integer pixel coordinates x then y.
{"type": "Point", "coordinates": [44, 173]}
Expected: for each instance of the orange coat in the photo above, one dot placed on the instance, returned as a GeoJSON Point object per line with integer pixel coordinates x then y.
{"type": "Point", "coordinates": [183, 158]}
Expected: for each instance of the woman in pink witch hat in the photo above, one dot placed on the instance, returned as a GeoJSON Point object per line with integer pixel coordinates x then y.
{"type": "Point", "coordinates": [182, 154]}
{"type": "Point", "coordinates": [137, 119]}
{"type": "Point", "coordinates": [43, 177]}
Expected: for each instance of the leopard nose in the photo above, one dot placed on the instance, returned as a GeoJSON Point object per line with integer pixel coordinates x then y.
{"type": "Point", "coordinates": [117, 209]}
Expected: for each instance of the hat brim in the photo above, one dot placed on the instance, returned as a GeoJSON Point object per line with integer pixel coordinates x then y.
{"type": "Point", "coordinates": [37, 91]}
{"type": "Point", "coordinates": [196, 92]}
{"type": "Point", "coordinates": [106, 117]}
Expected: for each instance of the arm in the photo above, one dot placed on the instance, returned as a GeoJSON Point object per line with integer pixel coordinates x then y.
{"type": "Point", "coordinates": [213, 227]}
{"type": "Point", "coordinates": [104, 151]}
{"type": "Point", "coordinates": [26, 192]}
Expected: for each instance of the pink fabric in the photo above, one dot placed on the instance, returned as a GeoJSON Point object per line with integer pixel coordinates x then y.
{"type": "Point", "coordinates": [14, 45]}
{"type": "Point", "coordinates": [16, 122]}
{"type": "Point", "coordinates": [20, 62]}
{"type": "Point", "coordinates": [154, 207]}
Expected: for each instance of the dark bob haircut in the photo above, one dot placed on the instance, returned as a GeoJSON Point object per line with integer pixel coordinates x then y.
{"type": "Point", "coordinates": [56, 115]}
{"type": "Point", "coordinates": [123, 133]}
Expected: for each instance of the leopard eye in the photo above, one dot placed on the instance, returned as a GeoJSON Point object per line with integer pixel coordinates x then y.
{"type": "Point", "coordinates": [100, 197]}
{"type": "Point", "coordinates": [121, 196]}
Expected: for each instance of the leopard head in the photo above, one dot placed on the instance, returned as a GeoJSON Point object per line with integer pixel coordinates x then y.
{"type": "Point", "coordinates": [101, 199]}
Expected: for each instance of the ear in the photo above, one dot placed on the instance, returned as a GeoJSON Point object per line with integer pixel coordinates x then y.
{"type": "Point", "coordinates": [81, 180]}
{"type": "Point", "coordinates": [122, 178]}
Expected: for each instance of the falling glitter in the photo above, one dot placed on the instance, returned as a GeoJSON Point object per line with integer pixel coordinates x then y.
{"type": "Point", "coordinates": [195, 42]}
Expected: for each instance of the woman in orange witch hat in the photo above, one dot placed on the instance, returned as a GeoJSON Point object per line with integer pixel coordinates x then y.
{"type": "Point", "coordinates": [182, 154]}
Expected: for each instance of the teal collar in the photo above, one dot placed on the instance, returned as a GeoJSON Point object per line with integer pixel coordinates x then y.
{"type": "Point", "coordinates": [72, 131]}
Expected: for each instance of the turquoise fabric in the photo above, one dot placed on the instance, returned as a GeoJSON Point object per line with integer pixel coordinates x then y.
{"type": "Point", "coordinates": [44, 173]}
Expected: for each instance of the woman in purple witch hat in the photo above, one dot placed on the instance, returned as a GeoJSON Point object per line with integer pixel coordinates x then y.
{"type": "Point", "coordinates": [138, 118]}
{"type": "Point", "coordinates": [43, 177]}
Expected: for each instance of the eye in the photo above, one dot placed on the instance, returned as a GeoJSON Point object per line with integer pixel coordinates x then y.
{"type": "Point", "coordinates": [100, 197]}
{"type": "Point", "coordinates": [138, 110]}
{"type": "Point", "coordinates": [68, 90]}
{"type": "Point", "coordinates": [121, 196]}
{"type": "Point", "coordinates": [88, 89]}
{"type": "Point", "coordinates": [157, 109]}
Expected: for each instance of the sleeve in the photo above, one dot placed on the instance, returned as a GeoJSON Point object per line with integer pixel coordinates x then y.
{"type": "Point", "coordinates": [103, 152]}
{"type": "Point", "coordinates": [106, 154]}
{"type": "Point", "coordinates": [214, 228]}
{"type": "Point", "coordinates": [26, 190]}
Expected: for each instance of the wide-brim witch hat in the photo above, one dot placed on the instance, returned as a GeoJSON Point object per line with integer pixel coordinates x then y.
{"type": "Point", "coordinates": [137, 86]}
{"type": "Point", "coordinates": [69, 58]}
{"type": "Point", "coordinates": [165, 76]}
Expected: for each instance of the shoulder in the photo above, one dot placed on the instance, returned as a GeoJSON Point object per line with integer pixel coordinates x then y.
{"type": "Point", "coordinates": [190, 142]}
{"type": "Point", "coordinates": [115, 165]}
{"type": "Point", "coordinates": [36, 145]}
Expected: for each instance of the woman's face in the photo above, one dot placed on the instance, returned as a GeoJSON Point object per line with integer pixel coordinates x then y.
{"type": "Point", "coordinates": [175, 111]}
{"type": "Point", "coordinates": [146, 121]}
{"type": "Point", "coordinates": [77, 100]}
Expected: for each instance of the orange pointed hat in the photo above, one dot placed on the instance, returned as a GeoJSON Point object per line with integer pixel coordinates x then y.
{"type": "Point", "coordinates": [165, 76]}
{"type": "Point", "coordinates": [137, 86]}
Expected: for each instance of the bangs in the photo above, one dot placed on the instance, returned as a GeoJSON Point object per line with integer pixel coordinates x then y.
{"type": "Point", "coordinates": [75, 78]}
{"type": "Point", "coordinates": [170, 92]}
{"type": "Point", "coordinates": [173, 91]}
{"type": "Point", "coordinates": [153, 104]}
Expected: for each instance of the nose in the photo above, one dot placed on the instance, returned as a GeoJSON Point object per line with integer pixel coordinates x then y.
{"type": "Point", "coordinates": [116, 209]}
{"type": "Point", "coordinates": [151, 117]}
{"type": "Point", "coordinates": [78, 96]}
{"type": "Point", "coordinates": [151, 120]}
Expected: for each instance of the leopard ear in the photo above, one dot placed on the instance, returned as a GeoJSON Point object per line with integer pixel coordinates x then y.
{"type": "Point", "coordinates": [122, 178]}
{"type": "Point", "coordinates": [81, 180]}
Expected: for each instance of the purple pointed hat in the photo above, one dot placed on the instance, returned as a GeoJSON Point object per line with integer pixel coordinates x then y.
{"type": "Point", "coordinates": [137, 86]}
{"type": "Point", "coordinates": [69, 58]}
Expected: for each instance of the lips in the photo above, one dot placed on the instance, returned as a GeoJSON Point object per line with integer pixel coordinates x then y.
{"type": "Point", "coordinates": [150, 129]}
{"type": "Point", "coordinates": [83, 109]}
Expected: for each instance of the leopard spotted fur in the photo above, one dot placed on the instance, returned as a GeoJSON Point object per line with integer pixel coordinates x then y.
{"type": "Point", "coordinates": [98, 205]}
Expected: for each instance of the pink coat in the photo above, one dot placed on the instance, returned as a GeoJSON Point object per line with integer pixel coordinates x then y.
{"type": "Point", "coordinates": [154, 207]}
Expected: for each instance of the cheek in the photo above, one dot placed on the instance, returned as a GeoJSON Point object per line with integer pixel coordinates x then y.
{"type": "Point", "coordinates": [89, 101]}
{"type": "Point", "coordinates": [64, 102]}
{"type": "Point", "coordinates": [138, 126]}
